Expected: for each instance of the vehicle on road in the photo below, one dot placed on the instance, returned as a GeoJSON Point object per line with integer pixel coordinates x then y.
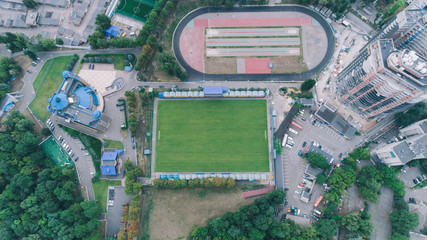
{"type": "Point", "coordinates": [29, 71]}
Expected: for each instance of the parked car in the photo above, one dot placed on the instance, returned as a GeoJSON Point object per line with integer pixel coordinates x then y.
{"type": "Point", "coordinates": [122, 109]}
{"type": "Point", "coordinates": [419, 178]}
{"type": "Point", "coordinates": [29, 71]}
{"type": "Point", "coordinates": [93, 66]}
{"type": "Point", "coordinates": [415, 181]}
{"type": "Point", "coordinates": [304, 143]}
{"type": "Point", "coordinates": [300, 152]}
{"type": "Point", "coordinates": [303, 119]}
{"type": "Point", "coordinates": [120, 104]}
{"type": "Point", "coordinates": [90, 66]}
{"type": "Point", "coordinates": [77, 158]}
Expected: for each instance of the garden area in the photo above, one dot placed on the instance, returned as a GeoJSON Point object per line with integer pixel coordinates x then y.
{"type": "Point", "coordinates": [46, 83]}
{"type": "Point", "coordinates": [100, 188]}
{"type": "Point", "coordinates": [119, 60]}
{"type": "Point", "coordinates": [113, 144]}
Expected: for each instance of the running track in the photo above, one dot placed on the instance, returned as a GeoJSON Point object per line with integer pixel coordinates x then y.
{"type": "Point", "coordinates": [197, 75]}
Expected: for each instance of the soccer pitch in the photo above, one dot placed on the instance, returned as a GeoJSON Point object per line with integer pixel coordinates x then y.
{"type": "Point", "coordinates": [212, 136]}
{"type": "Point", "coordinates": [137, 9]}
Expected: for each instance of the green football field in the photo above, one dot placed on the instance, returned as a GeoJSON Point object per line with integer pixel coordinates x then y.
{"type": "Point", "coordinates": [56, 153]}
{"type": "Point", "coordinates": [137, 9]}
{"type": "Point", "coordinates": [212, 136]}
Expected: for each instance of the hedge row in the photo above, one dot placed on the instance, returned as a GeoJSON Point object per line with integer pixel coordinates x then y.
{"type": "Point", "coordinates": [210, 182]}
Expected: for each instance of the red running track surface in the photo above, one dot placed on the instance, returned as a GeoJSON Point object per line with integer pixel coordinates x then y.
{"type": "Point", "coordinates": [257, 65]}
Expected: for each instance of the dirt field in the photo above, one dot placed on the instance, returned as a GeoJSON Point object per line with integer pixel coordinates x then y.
{"type": "Point", "coordinates": [173, 214]}
{"type": "Point", "coordinates": [221, 65]}
{"type": "Point", "coordinates": [289, 64]}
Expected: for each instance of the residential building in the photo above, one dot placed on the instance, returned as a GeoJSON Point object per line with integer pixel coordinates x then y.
{"type": "Point", "coordinates": [413, 147]}
{"type": "Point", "coordinates": [382, 79]}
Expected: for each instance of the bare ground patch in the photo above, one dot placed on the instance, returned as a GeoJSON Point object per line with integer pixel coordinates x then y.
{"type": "Point", "coordinates": [216, 65]}
{"type": "Point", "coordinates": [24, 62]}
{"type": "Point", "coordinates": [288, 64]}
{"type": "Point", "coordinates": [174, 213]}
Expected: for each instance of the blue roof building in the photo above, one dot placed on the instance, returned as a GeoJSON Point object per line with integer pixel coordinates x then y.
{"type": "Point", "coordinates": [108, 163]}
{"type": "Point", "coordinates": [214, 91]}
{"type": "Point", "coordinates": [76, 103]}
{"type": "Point", "coordinates": [112, 31]}
{"type": "Point", "coordinates": [109, 156]}
{"type": "Point", "coordinates": [108, 170]}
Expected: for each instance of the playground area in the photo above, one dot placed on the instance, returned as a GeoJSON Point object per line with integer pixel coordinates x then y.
{"type": "Point", "coordinates": [211, 136]}
{"type": "Point", "coordinates": [260, 42]}
{"type": "Point", "coordinates": [55, 152]}
{"type": "Point", "coordinates": [136, 9]}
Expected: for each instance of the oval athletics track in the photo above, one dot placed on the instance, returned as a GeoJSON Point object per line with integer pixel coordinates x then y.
{"type": "Point", "coordinates": [194, 75]}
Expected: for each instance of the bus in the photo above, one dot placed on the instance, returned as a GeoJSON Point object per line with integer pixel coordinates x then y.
{"type": "Point", "coordinates": [318, 201]}
{"type": "Point", "coordinates": [285, 138]}
{"type": "Point", "coordinates": [296, 125]}
{"type": "Point", "coordinates": [293, 131]}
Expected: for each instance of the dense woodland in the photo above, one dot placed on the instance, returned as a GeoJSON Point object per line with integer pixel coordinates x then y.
{"type": "Point", "coordinates": [38, 199]}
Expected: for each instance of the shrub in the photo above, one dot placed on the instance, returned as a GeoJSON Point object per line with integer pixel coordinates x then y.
{"type": "Point", "coordinates": [69, 67]}
{"type": "Point", "coordinates": [130, 57]}
{"type": "Point", "coordinates": [127, 63]}
{"type": "Point", "coordinates": [97, 59]}
{"type": "Point", "coordinates": [110, 60]}
{"type": "Point", "coordinates": [85, 60]}
{"type": "Point", "coordinates": [103, 60]}
{"type": "Point", "coordinates": [91, 59]}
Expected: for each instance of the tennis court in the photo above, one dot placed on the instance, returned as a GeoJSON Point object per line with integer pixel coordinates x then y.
{"type": "Point", "coordinates": [55, 152]}
{"type": "Point", "coordinates": [136, 9]}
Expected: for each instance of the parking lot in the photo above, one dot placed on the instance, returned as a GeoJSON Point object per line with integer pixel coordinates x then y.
{"type": "Point", "coordinates": [294, 166]}
{"type": "Point", "coordinates": [114, 210]}
{"type": "Point", "coordinates": [411, 176]}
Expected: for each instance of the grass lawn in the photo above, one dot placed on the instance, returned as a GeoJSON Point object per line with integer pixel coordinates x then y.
{"type": "Point", "coordinates": [114, 144]}
{"type": "Point", "coordinates": [174, 213]}
{"type": "Point", "coordinates": [212, 136]}
{"type": "Point", "coordinates": [100, 189]}
{"type": "Point", "coordinates": [46, 83]}
{"type": "Point", "coordinates": [119, 59]}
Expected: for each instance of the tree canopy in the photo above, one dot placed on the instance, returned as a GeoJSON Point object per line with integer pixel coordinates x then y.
{"type": "Point", "coordinates": [307, 85]}
{"type": "Point", "coordinates": [414, 114]}
{"type": "Point", "coordinates": [103, 21]}
{"type": "Point", "coordinates": [317, 160]}
{"type": "Point", "coordinates": [38, 199]}
{"type": "Point", "coordinates": [29, 3]}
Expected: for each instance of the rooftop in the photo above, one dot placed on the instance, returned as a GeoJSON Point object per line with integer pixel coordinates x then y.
{"type": "Point", "coordinates": [108, 170]}
{"type": "Point", "coordinates": [404, 152]}
{"type": "Point", "coordinates": [109, 156]}
{"type": "Point", "coordinates": [214, 90]}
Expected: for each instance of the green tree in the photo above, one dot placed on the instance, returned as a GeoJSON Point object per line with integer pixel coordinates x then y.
{"type": "Point", "coordinates": [326, 228]}
{"type": "Point", "coordinates": [128, 165]}
{"type": "Point", "coordinates": [59, 41]}
{"type": "Point", "coordinates": [29, 3]}
{"type": "Point", "coordinates": [91, 209]}
{"type": "Point", "coordinates": [307, 85]}
{"type": "Point", "coordinates": [46, 132]}
{"type": "Point", "coordinates": [4, 88]}
{"type": "Point", "coordinates": [48, 44]}
{"type": "Point", "coordinates": [103, 21]}
{"type": "Point", "coordinates": [320, 178]}
{"type": "Point", "coordinates": [317, 160]}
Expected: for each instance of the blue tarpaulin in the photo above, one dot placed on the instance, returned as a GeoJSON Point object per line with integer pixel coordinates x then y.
{"type": "Point", "coordinates": [112, 31]}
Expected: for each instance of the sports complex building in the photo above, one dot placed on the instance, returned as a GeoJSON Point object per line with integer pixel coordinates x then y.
{"type": "Point", "coordinates": [210, 133]}
{"type": "Point", "coordinates": [77, 105]}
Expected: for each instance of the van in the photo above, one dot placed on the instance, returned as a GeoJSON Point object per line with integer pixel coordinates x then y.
{"type": "Point", "coordinates": [317, 212]}
{"type": "Point", "coordinates": [132, 34]}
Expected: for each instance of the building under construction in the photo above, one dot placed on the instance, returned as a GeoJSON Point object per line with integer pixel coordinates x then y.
{"type": "Point", "coordinates": [381, 79]}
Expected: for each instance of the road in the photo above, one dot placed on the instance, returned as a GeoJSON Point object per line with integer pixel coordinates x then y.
{"type": "Point", "coordinates": [194, 75]}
